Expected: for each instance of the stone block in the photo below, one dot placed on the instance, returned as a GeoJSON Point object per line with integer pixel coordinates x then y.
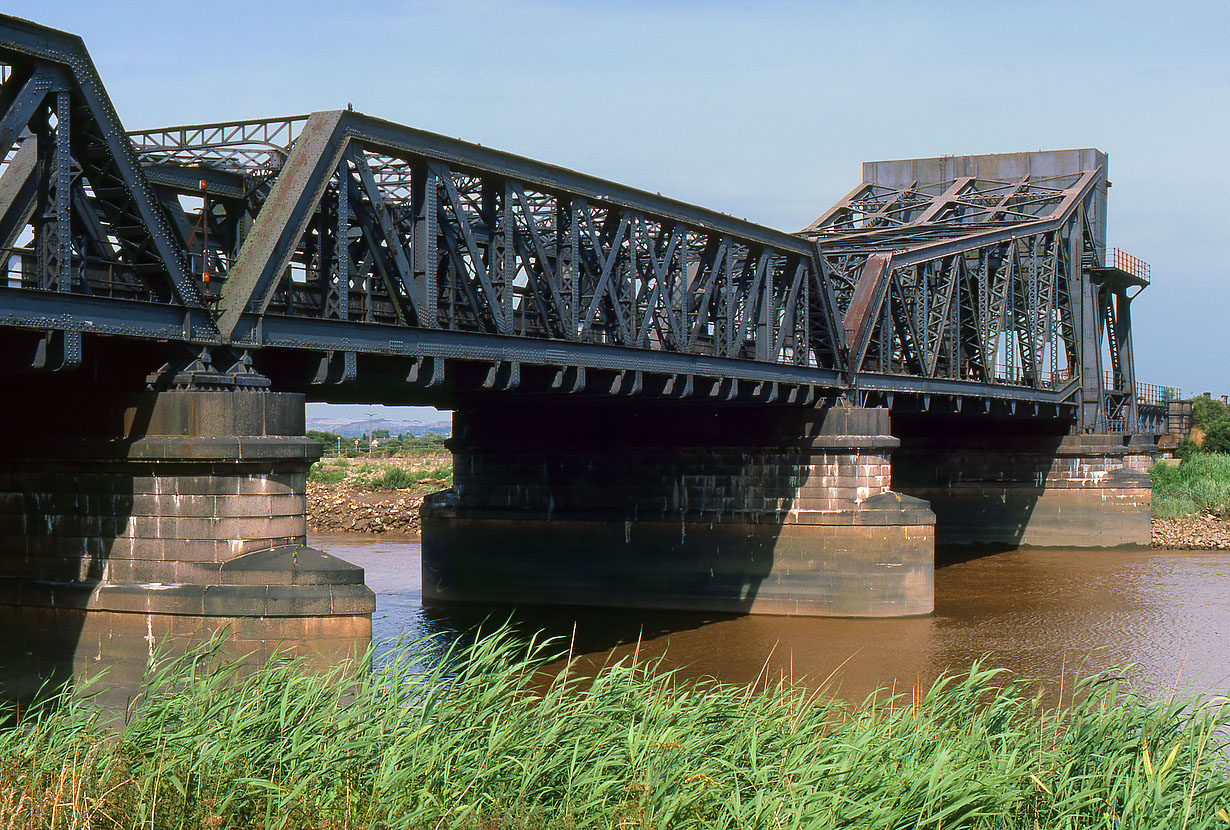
{"type": "Point", "coordinates": [235, 601]}
{"type": "Point", "coordinates": [269, 527]}
{"type": "Point", "coordinates": [223, 484]}
{"type": "Point", "coordinates": [297, 601]}
{"type": "Point", "coordinates": [290, 629]}
{"type": "Point", "coordinates": [196, 573]}
{"type": "Point", "coordinates": [272, 485]}
{"type": "Point", "coordinates": [248, 414]}
{"type": "Point", "coordinates": [237, 506]}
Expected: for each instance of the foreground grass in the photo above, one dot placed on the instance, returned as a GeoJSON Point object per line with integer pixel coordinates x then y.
{"type": "Point", "coordinates": [1202, 482]}
{"type": "Point", "coordinates": [484, 741]}
{"type": "Point", "coordinates": [423, 472]}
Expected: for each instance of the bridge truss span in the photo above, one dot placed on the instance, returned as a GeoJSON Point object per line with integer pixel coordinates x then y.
{"type": "Point", "coordinates": [447, 236]}
{"type": "Point", "coordinates": [984, 269]}
{"type": "Point", "coordinates": [332, 247]}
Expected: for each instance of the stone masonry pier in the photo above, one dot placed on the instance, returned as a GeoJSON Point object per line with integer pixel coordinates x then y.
{"type": "Point", "coordinates": [992, 487]}
{"type": "Point", "coordinates": [760, 510]}
{"type": "Point", "coordinates": [158, 519]}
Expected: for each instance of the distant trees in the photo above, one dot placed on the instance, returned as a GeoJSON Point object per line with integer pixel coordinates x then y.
{"type": "Point", "coordinates": [330, 440]}
{"type": "Point", "coordinates": [1207, 411]}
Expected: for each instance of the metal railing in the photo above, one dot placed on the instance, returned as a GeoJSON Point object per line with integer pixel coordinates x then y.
{"type": "Point", "coordinates": [1137, 267]}
{"type": "Point", "coordinates": [1147, 394]}
{"type": "Point", "coordinates": [1153, 394]}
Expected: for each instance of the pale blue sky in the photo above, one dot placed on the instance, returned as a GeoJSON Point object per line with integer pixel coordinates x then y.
{"type": "Point", "coordinates": [761, 110]}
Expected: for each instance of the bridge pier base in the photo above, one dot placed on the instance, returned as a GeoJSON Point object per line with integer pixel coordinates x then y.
{"type": "Point", "coordinates": [750, 510]}
{"type": "Point", "coordinates": [155, 521]}
{"type": "Point", "coordinates": [989, 487]}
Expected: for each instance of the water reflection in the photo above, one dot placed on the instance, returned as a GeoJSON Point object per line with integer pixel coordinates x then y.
{"type": "Point", "coordinates": [1038, 613]}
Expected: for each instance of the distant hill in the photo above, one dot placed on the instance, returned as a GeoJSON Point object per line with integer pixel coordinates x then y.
{"type": "Point", "coordinates": [353, 429]}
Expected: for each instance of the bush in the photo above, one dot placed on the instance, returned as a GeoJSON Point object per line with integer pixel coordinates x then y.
{"type": "Point", "coordinates": [400, 478]}
{"type": "Point", "coordinates": [1217, 436]}
{"type": "Point", "coordinates": [393, 478]}
{"type": "Point", "coordinates": [1208, 411]}
{"type": "Point", "coordinates": [1186, 449]}
{"type": "Point", "coordinates": [326, 475]}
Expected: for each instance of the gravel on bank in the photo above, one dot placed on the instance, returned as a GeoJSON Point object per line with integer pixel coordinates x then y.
{"type": "Point", "coordinates": [1201, 531]}
{"type": "Point", "coordinates": [339, 509]}
{"type": "Point", "coordinates": [342, 509]}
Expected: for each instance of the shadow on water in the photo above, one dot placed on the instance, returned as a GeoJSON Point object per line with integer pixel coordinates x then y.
{"type": "Point", "coordinates": [1039, 613]}
{"type": "Point", "coordinates": [393, 571]}
{"type": "Point", "coordinates": [948, 555]}
{"type": "Point", "coordinates": [580, 629]}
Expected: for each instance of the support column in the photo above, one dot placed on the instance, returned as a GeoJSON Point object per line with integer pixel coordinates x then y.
{"type": "Point", "coordinates": [990, 485]}
{"type": "Point", "coordinates": [752, 510]}
{"type": "Point", "coordinates": [157, 519]}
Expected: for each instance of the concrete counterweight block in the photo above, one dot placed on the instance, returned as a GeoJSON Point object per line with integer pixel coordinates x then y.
{"type": "Point", "coordinates": [167, 518]}
{"type": "Point", "coordinates": [751, 510]}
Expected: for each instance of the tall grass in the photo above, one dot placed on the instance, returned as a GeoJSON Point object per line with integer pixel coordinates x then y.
{"type": "Point", "coordinates": [1201, 482]}
{"type": "Point", "coordinates": [326, 475]}
{"type": "Point", "coordinates": [481, 739]}
{"type": "Point", "coordinates": [423, 474]}
{"type": "Point", "coordinates": [401, 478]}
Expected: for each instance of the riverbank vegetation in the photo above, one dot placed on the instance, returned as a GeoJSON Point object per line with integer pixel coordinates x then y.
{"type": "Point", "coordinates": [422, 472]}
{"type": "Point", "coordinates": [482, 738]}
{"type": "Point", "coordinates": [1210, 427]}
{"type": "Point", "coordinates": [1200, 484]}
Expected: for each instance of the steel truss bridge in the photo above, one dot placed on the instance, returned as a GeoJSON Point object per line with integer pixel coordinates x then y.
{"type": "Point", "coordinates": [354, 258]}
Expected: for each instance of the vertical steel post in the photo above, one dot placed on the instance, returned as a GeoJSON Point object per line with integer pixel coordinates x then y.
{"type": "Point", "coordinates": [570, 263]}
{"type": "Point", "coordinates": [425, 234]}
{"type": "Point", "coordinates": [1123, 332]}
{"type": "Point", "coordinates": [763, 331]}
{"type": "Point", "coordinates": [341, 253]}
{"type": "Point", "coordinates": [506, 253]}
{"type": "Point", "coordinates": [1088, 328]}
{"type": "Point", "coordinates": [55, 229]}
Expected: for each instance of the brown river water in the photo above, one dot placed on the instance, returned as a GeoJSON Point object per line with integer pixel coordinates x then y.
{"type": "Point", "coordinates": [1163, 616]}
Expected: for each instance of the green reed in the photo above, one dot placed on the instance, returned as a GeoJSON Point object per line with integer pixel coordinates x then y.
{"type": "Point", "coordinates": [401, 478]}
{"type": "Point", "coordinates": [486, 738]}
{"type": "Point", "coordinates": [1200, 483]}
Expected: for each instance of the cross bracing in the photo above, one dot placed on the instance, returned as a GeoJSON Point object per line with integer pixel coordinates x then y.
{"type": "Point", "coordinates": [340, 235]}
{"type": "Point", "coordinates": [999, 281]}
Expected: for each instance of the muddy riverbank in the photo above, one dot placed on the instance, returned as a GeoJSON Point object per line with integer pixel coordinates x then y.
{"type": "Point", "coordinates": [340, 508]}
{"type": "Point", "coordinates": [1202, 531]}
